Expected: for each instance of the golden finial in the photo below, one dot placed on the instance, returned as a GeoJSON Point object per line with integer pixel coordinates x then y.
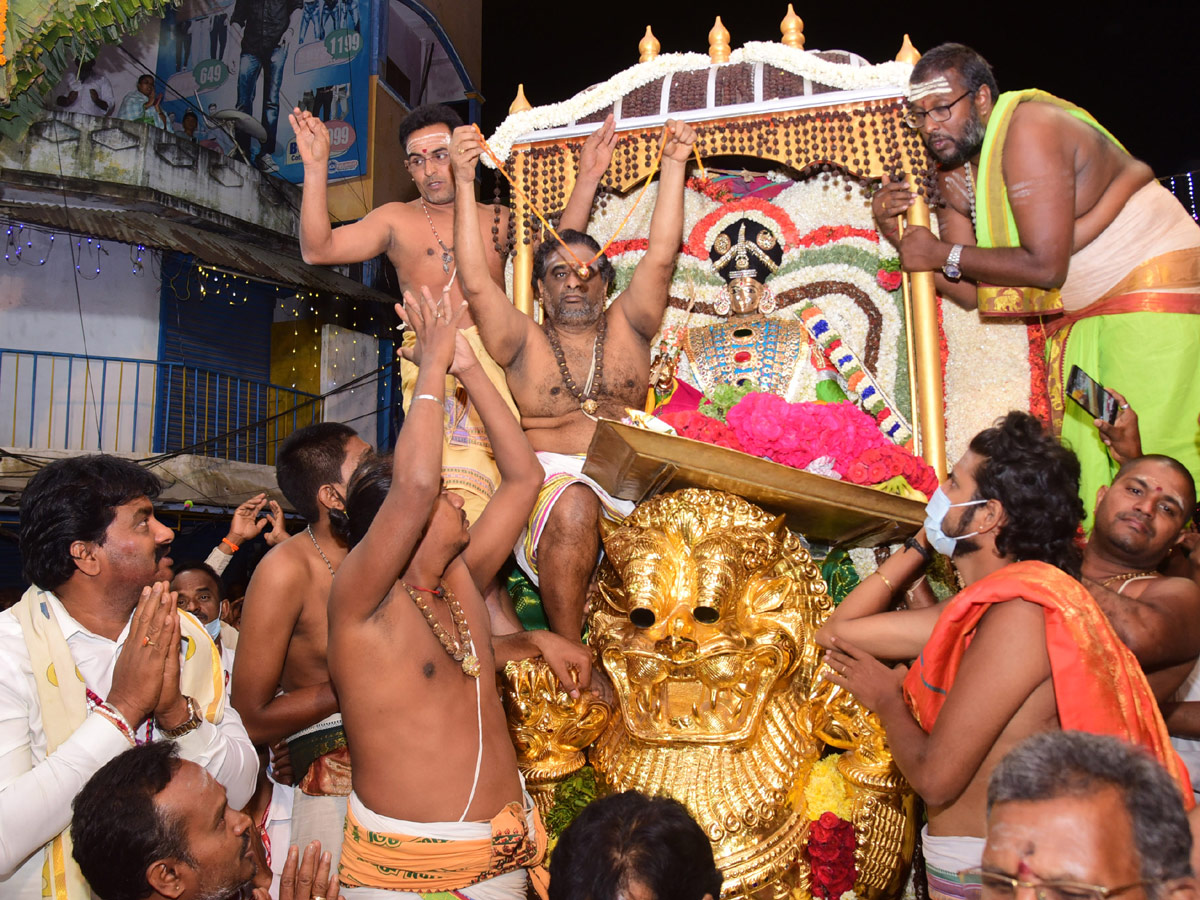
{"type": "Point", "coordinates": [648, 46]}
{"type": "Point", "coordinates": [908, 53]}
{"type": "Point", "coordinates": [792, 28]}
{"type": "Point", "coordinates": [520, 104]}
{"type": "Point", "coordinates": [718, 43]}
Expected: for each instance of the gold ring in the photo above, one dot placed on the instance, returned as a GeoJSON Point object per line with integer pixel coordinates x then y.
{"type": "Point", "coordinates": [317, 897]}
{"type": "Point", "coordinates": [461, 150]}
{"type": "Point", "coordinates": [146, 642]}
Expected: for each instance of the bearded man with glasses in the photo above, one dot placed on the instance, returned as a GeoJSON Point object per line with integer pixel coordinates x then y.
{"type": "Point", "coordinates": [1074, 816]}
{"type": "Point", "coordinates": [1046, 214]}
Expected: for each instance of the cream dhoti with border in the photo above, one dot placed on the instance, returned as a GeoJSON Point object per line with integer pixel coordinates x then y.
{"type": "Point", "coordinates": [562, 471]}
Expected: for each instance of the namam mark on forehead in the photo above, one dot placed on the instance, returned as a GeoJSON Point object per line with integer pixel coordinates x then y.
{"type": "Point", "coordinates": [923, 89]}
{"type": "Point", "coordinates": [427, 143]}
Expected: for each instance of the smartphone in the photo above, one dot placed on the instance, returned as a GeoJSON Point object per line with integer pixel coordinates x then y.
{"type": "Point", "coordinates": [1089, 394]}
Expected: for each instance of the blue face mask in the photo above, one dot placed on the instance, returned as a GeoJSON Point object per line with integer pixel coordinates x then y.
{"type": "Point", "coordinates": [213, 628]}
{"type": "Point", "coordinates": [935, 514]}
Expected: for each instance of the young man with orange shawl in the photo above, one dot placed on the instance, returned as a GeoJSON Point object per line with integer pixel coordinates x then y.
{"type": "Point", "coordinates": [1022, 649]}
{"type": "Point", "coordinates": [1046, 214]}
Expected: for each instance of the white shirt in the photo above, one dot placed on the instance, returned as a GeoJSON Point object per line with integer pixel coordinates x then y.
{"type": "Point", "coordinates": [36, 791]}
{"type": "Point", "coordinates": [279, 830]}
{"type": "Point", "coordinates": [84, 102]}
{"type": "Point", "coordinates": [1188, 748]}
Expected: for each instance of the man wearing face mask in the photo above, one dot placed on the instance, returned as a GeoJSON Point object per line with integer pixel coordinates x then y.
{"type": "Point", "coordinates": [1021, 649]}
{"type": "Point", "coordinates": [200, 592]}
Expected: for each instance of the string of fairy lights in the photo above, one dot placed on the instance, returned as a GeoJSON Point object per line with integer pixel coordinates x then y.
{"type": "Point", "coordinates": [19, 249]}
{"type": "Point", "coordinates": [1184, 188]}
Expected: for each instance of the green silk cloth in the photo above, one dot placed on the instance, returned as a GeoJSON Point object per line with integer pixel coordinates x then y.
{"type": "Point", "coordinates": [995, 225]}
{"type": "Point", "coordinates": [1150, 358]}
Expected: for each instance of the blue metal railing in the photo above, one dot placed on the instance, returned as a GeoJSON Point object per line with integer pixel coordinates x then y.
{"type": "Point", "coordinates": [65, 401]}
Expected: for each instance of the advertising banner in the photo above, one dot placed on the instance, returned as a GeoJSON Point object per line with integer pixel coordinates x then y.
{"type": "Point", "coordinates": [247, 63]}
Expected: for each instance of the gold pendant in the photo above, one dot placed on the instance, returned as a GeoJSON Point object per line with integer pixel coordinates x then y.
{"type": "Point", "coordinates": [589, 406]}
{"type": "Point", "coordinates": [470, 665]}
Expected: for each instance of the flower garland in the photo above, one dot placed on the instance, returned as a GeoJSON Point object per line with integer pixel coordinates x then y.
{"type": "Point", "coordinates": [799, 434]}
{"type": "Point", "coordinates": [840, 76]}
{"type": "Point", "coordinates": [850, 367]}
{"type": "Point", "coordinates": [806, 63]}
{"type": "Point", "coordinates": [590, 100]}
{"type": "Point", "coordinates": [831, 839]}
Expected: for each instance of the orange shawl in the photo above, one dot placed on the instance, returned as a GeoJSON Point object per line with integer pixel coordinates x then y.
{"type": "Point", "coordinates": [422, 865]}
{"type": "Point", "coordinates": [1098, 685]}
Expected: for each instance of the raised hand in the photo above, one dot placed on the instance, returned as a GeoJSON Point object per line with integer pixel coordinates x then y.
{"type": "Point", "coordinates": [1122, 437]}
{"type": "Point", "coordinates": [465, 148]}
{"type": "Point", "coordinates": [434, 325]}
{"type": "Point", "coordinates": [138, 673]}
{"type": "Point", "coordinates": [679, 137]}
{"type": "Point", "coordinates": [464, 355]}
{"type": "Point", "coordinates": [312, 137]}
{"type": "Point", "coordinates": [245, 524]}
{"type": "Point", "coordinates": [598, 150]}
{"type": "Point", "coordinates": [278, 532]}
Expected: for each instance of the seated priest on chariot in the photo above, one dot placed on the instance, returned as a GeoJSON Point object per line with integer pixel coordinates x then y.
{"type": "Point", "coordinates": [583, 363]}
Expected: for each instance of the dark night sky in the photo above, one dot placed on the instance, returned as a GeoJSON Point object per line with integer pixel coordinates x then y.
{"type": "Point", "coordinates": [1136, 71]}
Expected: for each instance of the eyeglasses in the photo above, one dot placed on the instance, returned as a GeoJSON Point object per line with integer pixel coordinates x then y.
{"type": "Point", "coordinates": [419, 162]}
{"type": "Point", "coordinates": [915, 118]}
{"type": "Point", "coordinates": [998, 886]}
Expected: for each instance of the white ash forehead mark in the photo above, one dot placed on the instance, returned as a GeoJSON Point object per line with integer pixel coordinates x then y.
{"type": "Point", "coordinates": [430, 140]}
{"type": "Point", "coordinates": [923, 89]}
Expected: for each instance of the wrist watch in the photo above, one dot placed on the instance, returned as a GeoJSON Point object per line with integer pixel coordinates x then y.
{"type": "Point", "coordinates": [192, 723]}
{"type": "Point", "coordinates": [950, 267]}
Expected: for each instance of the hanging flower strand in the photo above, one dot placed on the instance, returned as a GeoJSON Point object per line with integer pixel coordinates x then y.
{"type": "Point", "coordinates": [581, 267]}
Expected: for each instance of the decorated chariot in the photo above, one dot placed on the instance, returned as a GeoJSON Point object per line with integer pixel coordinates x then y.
{"type": "Point", "coordinates": [806, 395]}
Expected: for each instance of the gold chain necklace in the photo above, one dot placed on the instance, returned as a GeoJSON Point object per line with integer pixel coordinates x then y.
{"type": "Point", "coordinates": [1127, 576]}
{"type": "Point", "coordinates": [457, 649]}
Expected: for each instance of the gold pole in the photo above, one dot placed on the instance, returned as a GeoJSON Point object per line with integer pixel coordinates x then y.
{"type": "Point", "coordinates": [523, 259]}
{"type": "Point", "coordinates": [913, 403]}
{"type": "Point", "coordinates": [928, 353]}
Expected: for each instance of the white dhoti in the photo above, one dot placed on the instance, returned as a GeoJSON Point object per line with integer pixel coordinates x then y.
{"type": "Point", "coordinates": [562, 471]}
{"type": "Point", "coordinates": [946, 856]}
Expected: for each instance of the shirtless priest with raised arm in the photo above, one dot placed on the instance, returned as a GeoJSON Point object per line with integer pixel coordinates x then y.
{"type": "Point", "coordinates": [418, 238]}
{"type": "Point", "coordinates": [583, 363]}
{"type": "Point", "coordinates": [412, 650]}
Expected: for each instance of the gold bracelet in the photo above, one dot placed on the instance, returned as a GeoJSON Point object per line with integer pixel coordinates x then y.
{"type": "Point", "coordinates": [891, 587]}
{"type": "Point", "coordinates": [427, 397]}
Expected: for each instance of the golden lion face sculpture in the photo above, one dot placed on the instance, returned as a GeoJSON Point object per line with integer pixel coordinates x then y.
{"type": "Point", "coordinates": [704, 607]}
{"type": "Point", "coordinates": [703, 618]}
